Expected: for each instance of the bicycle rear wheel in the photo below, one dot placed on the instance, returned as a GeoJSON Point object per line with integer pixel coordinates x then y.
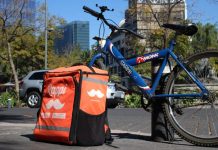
{"type": "Point", "coordinates": [195, 120]}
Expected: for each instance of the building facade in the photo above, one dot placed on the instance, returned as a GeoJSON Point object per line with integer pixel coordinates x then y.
{"type": "Point", "coordinates": [74, 34]}
{"type": "Point", "coordinates": [140, 19]}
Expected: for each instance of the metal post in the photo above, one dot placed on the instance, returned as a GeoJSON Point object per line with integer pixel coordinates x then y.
{"type": "Point", "coordinates": [160, 128]}
{"type": "Point", "coordinates": [46, 36]}
{"type": "Point", "coordinates": [9, 103]}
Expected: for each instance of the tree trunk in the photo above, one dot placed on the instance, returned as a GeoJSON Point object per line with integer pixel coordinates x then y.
{"type": "Point", "coordinates": [14, 72]}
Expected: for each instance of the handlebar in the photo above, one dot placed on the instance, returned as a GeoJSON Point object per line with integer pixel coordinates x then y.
{"type": "Point", "coordinates": [91, 11]}
{"type": "Point", "coordinates": [111, 26]}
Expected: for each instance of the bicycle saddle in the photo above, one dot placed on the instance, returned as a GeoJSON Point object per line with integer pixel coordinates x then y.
{"type": "Point", "coordinates": [188, 30]}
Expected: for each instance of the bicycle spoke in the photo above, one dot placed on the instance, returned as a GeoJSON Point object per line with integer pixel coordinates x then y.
{"type": "Point", "coordinates": [214, 119]}
{"type": "Point", "coordinates": [199, 119]}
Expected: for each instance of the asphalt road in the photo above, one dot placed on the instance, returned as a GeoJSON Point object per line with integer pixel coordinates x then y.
{"type": "Point", "coordinates": [131, 130]}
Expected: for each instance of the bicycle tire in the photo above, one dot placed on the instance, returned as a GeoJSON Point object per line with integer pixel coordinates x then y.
{"type": "Point", "coordinates": [187, 116]}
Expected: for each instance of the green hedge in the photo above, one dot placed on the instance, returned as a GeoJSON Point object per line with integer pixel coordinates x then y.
{"type": "Point", "coordinates": [132, 101]}
{"type": "Point", "coordinates": [4, 99]}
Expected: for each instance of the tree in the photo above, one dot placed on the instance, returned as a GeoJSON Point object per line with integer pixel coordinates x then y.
{"type": "Point", "coordinates": [53, 32]}
{"type": "Point", "coordinates": [150, 17]}
{"type": "Point", "coordinates": [206, 37]}
{"type": "Point", "coordinates": [73, 56]}
{"type": "Point", "coordinates": [149, 20]}
{"type": "Point", "coordinates": [138, 49]}
{"type": "Point", "coordinates": [166, 15]}
{"type": "Point", "coordinates": [85, 56]}
{"type": "Point", "coordinates": [22, 42]}
{"type": "Point", "coordinates": [12, 27]}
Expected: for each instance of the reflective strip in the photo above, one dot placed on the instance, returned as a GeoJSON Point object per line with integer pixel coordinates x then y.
{"type": "Point", "coordinates": [52, 128]}
{"type": "Point", "coordinates": [145, 87]}
{"type": "Point", "coordinates": [94, 80]}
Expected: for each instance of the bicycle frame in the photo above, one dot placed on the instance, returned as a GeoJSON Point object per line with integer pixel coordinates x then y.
{"type": "Point", "coordinates": [127, 65]}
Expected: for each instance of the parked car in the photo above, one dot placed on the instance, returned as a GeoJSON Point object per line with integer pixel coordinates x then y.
{"type": "Point", "coordinates": [31, 88]}
{"type": "Point", "coordinates": [114, 97]}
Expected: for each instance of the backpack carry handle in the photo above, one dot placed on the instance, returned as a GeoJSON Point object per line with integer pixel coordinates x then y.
{"type": "Point", "coordinates": [79, 64]}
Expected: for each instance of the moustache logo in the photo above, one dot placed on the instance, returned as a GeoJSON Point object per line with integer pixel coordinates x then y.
{"type": "Point", "coordinates": [94, 93]}
{"type": "Point", "coordinates": [54, 103]}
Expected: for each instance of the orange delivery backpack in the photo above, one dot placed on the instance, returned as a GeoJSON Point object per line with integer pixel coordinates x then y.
{"type": "Point", "coordinates": [73, 108]}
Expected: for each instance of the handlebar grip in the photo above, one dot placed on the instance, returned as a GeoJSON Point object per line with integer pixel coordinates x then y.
{"type": "Point", "coordinates": [92, 12]}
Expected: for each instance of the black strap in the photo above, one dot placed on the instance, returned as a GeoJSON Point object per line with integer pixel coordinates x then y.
{"type": "Point", "coordinates": [75, 112]}
{"type": "Point", "coordinates": [77, 64]}
{"type": "Point", "coordinates": [91, 69]}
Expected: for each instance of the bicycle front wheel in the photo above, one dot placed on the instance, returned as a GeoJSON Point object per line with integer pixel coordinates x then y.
{"type": "Point", "coordinates": [196, 119]}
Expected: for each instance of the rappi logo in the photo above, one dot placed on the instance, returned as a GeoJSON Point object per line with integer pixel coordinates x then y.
{"type": "Point", "coordinates": [145, 58]}
{"type": "Point", "coordinates": [56, 91]}
{"type": "Point", "coordinates": [54, 104]}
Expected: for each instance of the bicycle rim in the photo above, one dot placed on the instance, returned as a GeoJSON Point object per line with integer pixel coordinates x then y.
{"type": "Point", "coordinates": [195, 120]}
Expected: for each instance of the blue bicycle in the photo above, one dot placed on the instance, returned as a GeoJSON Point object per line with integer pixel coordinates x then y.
{"type": "Point", "coordinates": [191, 90]}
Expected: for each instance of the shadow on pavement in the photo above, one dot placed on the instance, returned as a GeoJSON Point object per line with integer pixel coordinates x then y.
{"type": "Point", "coordinates": [32, 138]}
{"type": "Point", "coordinates": [131, 136]}
{"type": "Point", "coordinates": [29, 136]}
{"type": "Point", "coordinates": [4, 145]}
{"type": "Point", "coordinates": [177, 141]}
{"type": "Point", "coordinates": [16, 118]}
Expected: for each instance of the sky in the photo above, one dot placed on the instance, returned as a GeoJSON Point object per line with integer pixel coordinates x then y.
{"type": "Point", "coordinates": [205, 11]}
